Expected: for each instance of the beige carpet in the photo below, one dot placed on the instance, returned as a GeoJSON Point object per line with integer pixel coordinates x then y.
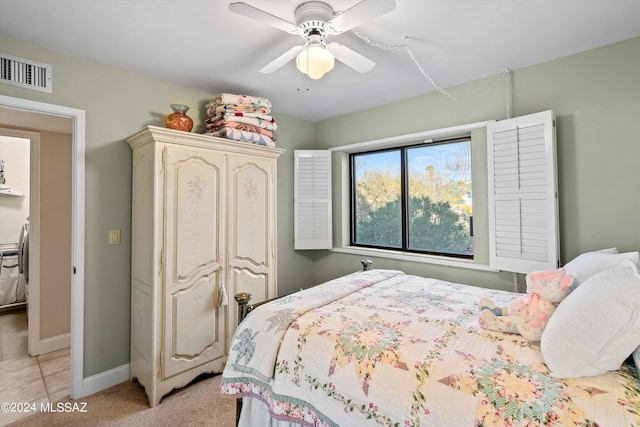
{"type": "Point", "coordinates": [198, 404]}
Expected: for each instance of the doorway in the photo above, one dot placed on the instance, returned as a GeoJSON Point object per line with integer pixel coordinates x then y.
{"type": "Point", "coordinates": [77, 224]}
{"type": "Point", "coordinates": [39, 161]}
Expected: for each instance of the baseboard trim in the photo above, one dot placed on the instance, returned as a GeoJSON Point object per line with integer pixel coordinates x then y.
{"type": "Point", "coordinates": [103, 380]}
{"type": "Point", "coordinates": [47, 345]}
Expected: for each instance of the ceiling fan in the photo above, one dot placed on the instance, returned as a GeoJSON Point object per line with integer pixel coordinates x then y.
{"type": "Point", "coordinates": [315, 20]}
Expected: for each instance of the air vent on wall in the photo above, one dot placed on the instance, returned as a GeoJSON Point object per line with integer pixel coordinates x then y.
{"type": "Point", "coordinates": [25, 73]}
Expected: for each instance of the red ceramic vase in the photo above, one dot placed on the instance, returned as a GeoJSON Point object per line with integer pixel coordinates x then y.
{"type": "Point", "coordinates": [179, 120]}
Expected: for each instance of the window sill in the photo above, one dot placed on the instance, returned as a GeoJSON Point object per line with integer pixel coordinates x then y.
{"type": "Point", "coordinates": [405, 256]}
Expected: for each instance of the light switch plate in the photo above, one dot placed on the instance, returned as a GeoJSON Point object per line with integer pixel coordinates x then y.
{"type": "Point", "coordinates": [114, 237]}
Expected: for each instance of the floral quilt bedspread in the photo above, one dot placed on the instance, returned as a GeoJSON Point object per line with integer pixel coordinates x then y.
{"type": "Point", "coordinates": [385, 348]}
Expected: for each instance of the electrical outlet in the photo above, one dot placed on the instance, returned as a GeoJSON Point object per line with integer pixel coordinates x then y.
{"type": "Point", "coordinates": [114, 237]}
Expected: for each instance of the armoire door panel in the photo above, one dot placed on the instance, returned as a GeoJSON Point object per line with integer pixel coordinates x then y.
{"type": "Point", "coordinates": [250, 212]}
{"type": "Point", "coordinates": [194, 184]}
{"type": "Point", "coordinates": [195, 327]}
{"type": "Point", "coordinates": [194, 203]}
{"type": "Point", "coordinates": [245, 280]}
{"type": "Point", "coordinates": [194, 319]}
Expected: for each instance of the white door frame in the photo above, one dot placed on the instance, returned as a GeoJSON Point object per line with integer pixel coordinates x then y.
{"type": "Point", "coordinates": [77, 224]}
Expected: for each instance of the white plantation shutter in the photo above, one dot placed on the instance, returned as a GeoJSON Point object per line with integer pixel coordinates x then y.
{"type": "Point", "coordinates": [312, 199]}
{"type": "Point", "coordinates": [523, 208]}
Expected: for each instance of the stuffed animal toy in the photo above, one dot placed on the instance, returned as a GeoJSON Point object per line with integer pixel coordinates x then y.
{"type": "Point", "coordinates": [528, 314]}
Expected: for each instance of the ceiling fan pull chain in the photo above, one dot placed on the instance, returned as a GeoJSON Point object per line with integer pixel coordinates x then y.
{"type": "Point", "coordinates": [299, 81]}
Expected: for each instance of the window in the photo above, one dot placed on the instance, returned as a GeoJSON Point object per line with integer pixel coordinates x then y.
{"type": "Point", "coordinates": [414, 198]}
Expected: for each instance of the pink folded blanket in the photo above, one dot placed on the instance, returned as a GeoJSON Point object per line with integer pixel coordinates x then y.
{"type": "Point", "coordinates": [255, 121]}
{"type": "Point", "coordinates": [221, 111]}
{"type": "Point", "coordinates": [231, 98]}
{"type": "Point", "coordinates": [217, 109]}
{"type": "Point", "coordinates": [242, 126]}
{"type": "Point", "coordinates": [241, 135]}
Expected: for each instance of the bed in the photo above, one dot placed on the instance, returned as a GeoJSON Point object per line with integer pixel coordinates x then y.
{"type": "Point", "coordinates": [384, 348]}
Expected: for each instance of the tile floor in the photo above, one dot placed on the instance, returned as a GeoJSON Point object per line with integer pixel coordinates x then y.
{"type": "Point", "coordinates": [44, 378]}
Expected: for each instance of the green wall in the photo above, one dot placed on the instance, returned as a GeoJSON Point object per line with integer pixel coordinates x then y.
{"type": "Point", "coordinates": [596, 97]}
{"type": "Point", "coordinates": [118, 104]}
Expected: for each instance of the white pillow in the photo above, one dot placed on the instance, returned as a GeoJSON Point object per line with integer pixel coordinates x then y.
{"type": "Point", "coordinates": [586, 265]}
{"type": "Point", "coordinates": [597, 326]}
{"type": "Point", "coordinates": [607, 251]}
{"type": "Point", "coordinates": [636, 358]}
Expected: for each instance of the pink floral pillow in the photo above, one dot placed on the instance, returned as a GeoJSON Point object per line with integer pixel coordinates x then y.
{"type": "Point", "coordinates": [553, 285]}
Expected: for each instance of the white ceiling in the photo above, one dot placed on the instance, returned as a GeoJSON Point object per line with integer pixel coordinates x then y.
{"type": "Point", "coordinates": [201, 44]}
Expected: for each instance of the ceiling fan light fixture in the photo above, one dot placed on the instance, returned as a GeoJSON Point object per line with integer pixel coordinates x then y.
{"type": "Point", "coordinates": [315, 60]}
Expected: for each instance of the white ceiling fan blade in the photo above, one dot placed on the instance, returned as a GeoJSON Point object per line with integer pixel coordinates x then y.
{"type": "Point", "coordinates": [279, 62]}
{"type": "Point", "coordinates": [362, 12]}
{"type": "Point", "coordinates": [262, 16]}
{"type": "Point", "coordinates": [351, 58]}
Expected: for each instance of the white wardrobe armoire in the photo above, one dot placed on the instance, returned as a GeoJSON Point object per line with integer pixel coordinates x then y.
{"type": "Point", "coordinates": [203, 229]}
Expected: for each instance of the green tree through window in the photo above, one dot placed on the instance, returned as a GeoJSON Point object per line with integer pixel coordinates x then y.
{"type": "Point", "coordinates": [415, 199]}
